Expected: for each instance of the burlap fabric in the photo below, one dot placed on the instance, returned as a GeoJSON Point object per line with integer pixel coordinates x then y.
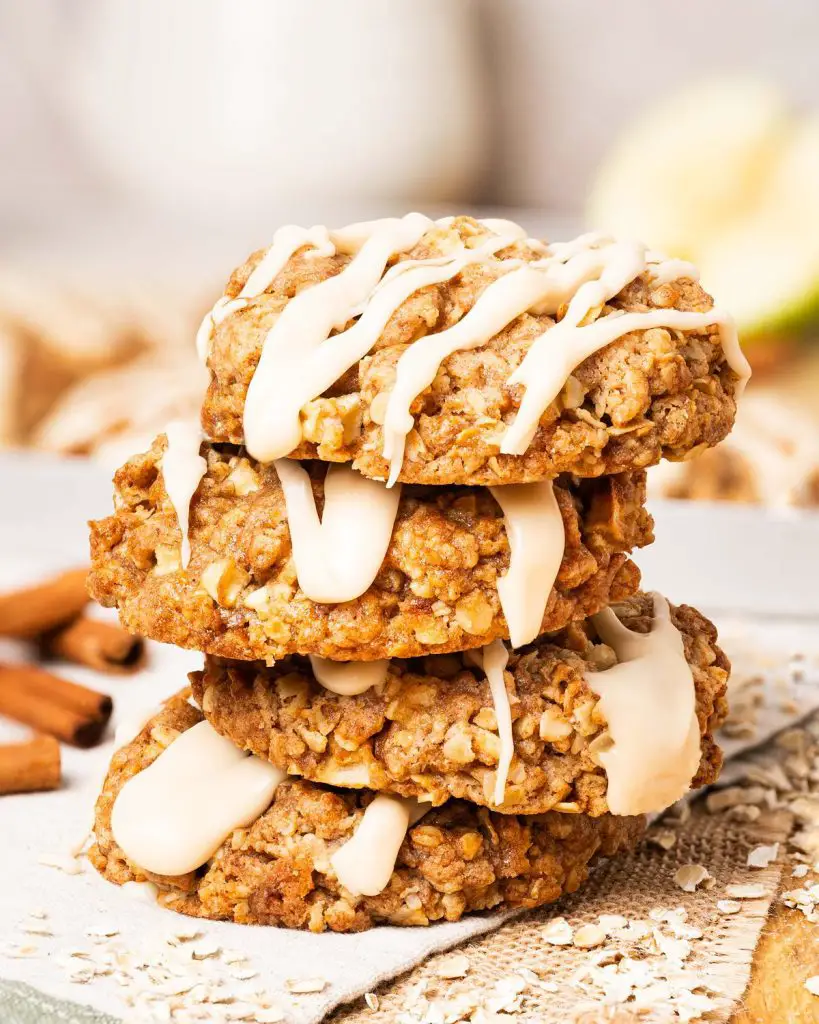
{"type": "Point", "coordinates": [633, 887]}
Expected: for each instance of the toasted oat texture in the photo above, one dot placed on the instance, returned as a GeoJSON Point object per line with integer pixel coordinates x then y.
{"type": "Point", "coordinates": [651, 394]}
{"type": "Point", "coordinates": [436, 591]}
{"type": "Point", "coordinates": [431, 732]}
{"type": "Point", "coordinates": [457, 859]}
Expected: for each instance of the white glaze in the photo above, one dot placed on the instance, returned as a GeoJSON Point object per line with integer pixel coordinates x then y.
{"type": "Point", "coordinates": [506, 298]}
{"type": "Point", "coordinates": [348, 678]}
{"type": "Point", "coordinates": [171, 817]}
{"type": "Point", "coordinates": [649, 702]}
{"type": "Point", "coordinates": [300, 360]}
{"type": "Point", "coordinates": [286, 241]}
{"type": "Point", "coordinates": [284, 378]}
{"type": "Point", "coordinates": [537, 539]}
{"type": "Point", "coordinates": [365, 863]}
{"type": "Point", "coordinates": [554, 355]}
{"type": "Point", "coordinates": [492, 659]}
{"type": "Point", "coordinates": [182, 471]}
{"type": "Point", "coordinates": [338, 557]}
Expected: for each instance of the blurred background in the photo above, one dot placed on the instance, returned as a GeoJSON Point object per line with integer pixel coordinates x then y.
{"type": "Point", "coordinates": [148, 147]}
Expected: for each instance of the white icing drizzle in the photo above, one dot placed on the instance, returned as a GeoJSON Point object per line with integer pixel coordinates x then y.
{"type": "Point", "coordinates": [348, 678]}
{"type": "Point", "coordinates": [492, 659]}
{"type": "Point", "coordinates": [537, 541]}
{"type": "Point", "coordinates": [649, 703]}
{"type": "Point", "coordinates": [664, 270]}
{"type": "Point", "coordinates": [365, 863]}
{"type": "Point", "coordinates": [338, 557]}
{"type": "Point", "coordinates": [290, 363]}
{"type": "Point", "coordinates": [172, 817]}
{"type": "Point", "coordinates": [286, 241]}
{"type": "Point", "coordinates": [182, 471]}
{"type": "Point", "coordinates": [504, 300]}
{"type": "Point", "coordinates": [300, 360]}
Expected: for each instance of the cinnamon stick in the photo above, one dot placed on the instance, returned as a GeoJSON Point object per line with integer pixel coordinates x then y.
{"type": "Point", "coordinates": [31, 766]}
{"type": "Point", "coordinates": [100, 645]}
{"type": "Point", "coordinates": [26, 613]}
{"type": "Point", "coordinates": [73, 713]}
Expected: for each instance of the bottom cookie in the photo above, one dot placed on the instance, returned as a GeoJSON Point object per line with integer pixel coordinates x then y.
{"type": "Point", "coordinates": [277, 870]}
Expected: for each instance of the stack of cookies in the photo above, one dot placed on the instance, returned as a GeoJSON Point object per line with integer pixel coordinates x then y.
{"type": "Point", "coordinates": [432, 684]}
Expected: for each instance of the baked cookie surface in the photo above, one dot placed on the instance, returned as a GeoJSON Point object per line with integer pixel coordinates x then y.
{"type": "Point", "coordinates": [651, 393]}
{"type": "Point", "coordinates": [457, 859]}
{"type": "Point", "coordinates": [436, 591]}
{"type": "Point", "coordinates": [430, 730]}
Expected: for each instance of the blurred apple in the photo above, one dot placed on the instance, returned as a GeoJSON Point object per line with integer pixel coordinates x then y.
{"type": "Point", "coordinates": [723, 174]}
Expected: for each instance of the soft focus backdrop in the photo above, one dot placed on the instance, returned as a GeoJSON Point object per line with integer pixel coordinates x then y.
{"type": "Point", "coordinates": [149, 147]}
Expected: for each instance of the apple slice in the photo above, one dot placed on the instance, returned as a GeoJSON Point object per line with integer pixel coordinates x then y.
{"type": "Point", "coordinates": [765, 266]}
{"type": "Point", "coordinates": [692, 164]}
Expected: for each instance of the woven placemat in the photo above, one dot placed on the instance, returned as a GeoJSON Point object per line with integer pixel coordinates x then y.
{"type": "Point", "coordinates": [515, 969]}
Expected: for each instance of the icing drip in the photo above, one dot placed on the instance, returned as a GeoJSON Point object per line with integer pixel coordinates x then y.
{"type": "Point", "coordinates": [503, 301]}
{"type": "Point", "coordinates": [664, 270]}
{"type": "Point", "coordinates": [300, 360]}
{"type": "Point", "coordinates": [545, 369]}
{"type": "Point", "coordinates": [556, 353]}
{"type": "Point", "coordinates": [182, 471]}
{"type": "Point", "coordinates": [348, 678]}
{"type": "Point", "coordinates": [492, 659]}
{"type": "Point", "coordinates": [293, 352]}
{"type": "Point", "coordinates": [286, 241]}
{"type": "Point", "coordinates": [537, 540]}
{"type": "Point", "coordinates": [337, 558]}
{"type": "Point", "coordinates": [365, 863]}
{"type": "Point", "coordinates": [172, 817]}
{"type": "Point", "coordinates": [649, 702]}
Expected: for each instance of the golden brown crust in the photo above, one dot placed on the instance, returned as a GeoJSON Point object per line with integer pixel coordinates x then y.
{"type": "Point", "coordinates": [651, 394]}
{"type": "Point", "coordinates": [457, 859]}
{"type": "Point", "coordinates": [436, 591]}
{"type": "Point", "coordinates": [431, 732]}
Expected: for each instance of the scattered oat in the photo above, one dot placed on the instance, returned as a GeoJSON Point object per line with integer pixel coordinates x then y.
{"type": "Point", "coordinates": [728, 906]}
{"type": "Point", "coordinates": [21, 952]}
{"type": "Point", "coordinates": [690, 876]}
{"type": "Point", "coordinates": [37, 928]}
{"type": "Point", "coordinates": [612, 922]}
{"type": "Point", "coordinates": [722, 799]}
{"type": "Point", "coordinates": [183, 934]}
{"type": "Point", "coordinates": [270, 1015]}
{"type": "Point", "coordinates": [588, 936]}
{"type": "Point", "coordinates": [234, 956]}
{"type": "Point", "coordinates": [812, 985]}
{"type": "Point", "coordinates": [68, 865]}
{"type": "Point", "coordinates": [662, 837]}
{"type": "Point", "coordinates": [206, 950]}
{"type": "Point", "coordinates": [762, 856]}
{"type": "Point", "coordinates": [371, 999]}
{"type": "Point", "coordinates": [453, 967]}
{"type": "Point", "coordinates": [752, 891]}
{"type": "Point", "coordinates": [557, 932]}
{"type": "Point", "coordinates": [305, 986]}
{"type": "Point", "coordinates": [799, 871]}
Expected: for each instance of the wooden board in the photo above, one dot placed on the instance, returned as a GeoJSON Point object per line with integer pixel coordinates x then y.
{"type": "Point", "coordinates": [787, 954]}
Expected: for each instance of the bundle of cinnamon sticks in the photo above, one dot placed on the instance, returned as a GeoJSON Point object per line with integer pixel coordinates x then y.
{"type": "Point", "coordinates": [50, 616]}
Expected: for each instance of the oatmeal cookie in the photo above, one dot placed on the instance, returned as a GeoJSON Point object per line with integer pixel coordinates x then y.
{"type": "Point", "coordinates": [650, 394]}
{"type": "Point", "coordinates": [277, 871]}
{"type": "Point", "coordinates": [238, 597]}
{"type": "Point", "coordinates": [430, 731]}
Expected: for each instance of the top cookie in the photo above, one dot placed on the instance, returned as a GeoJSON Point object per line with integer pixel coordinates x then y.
{"type": "Point", "coordinates": [463, 352]}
